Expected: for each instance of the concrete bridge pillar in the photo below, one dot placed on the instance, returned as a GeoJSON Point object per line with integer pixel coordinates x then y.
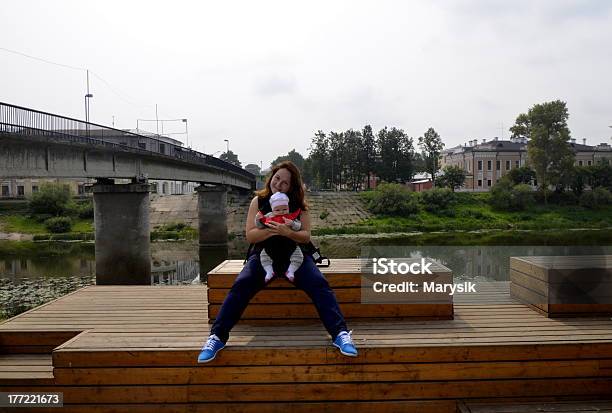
{"type": "Point", "coordinates": [123, 247]}
{"type": "Point", "coordinates": [212, 215]}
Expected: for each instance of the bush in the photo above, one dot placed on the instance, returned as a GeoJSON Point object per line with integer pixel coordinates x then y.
{"type": "Point", "coordinates": [174, 227]}
{"type": "Point", "coordinates": [51, 198]}
{"type": "Point", "coordinates": [522, 175]}
{"type": "Point", "coordinates": [58, 225]}
{"type": "Point", "coordinates": [85, 210]}
{"type": "Point", "coordinates": [508, 197]}
{"type": "Point", "coordinates": [437, 199]}
{"type": "Point", "coordinates": [564, 198]}
{"type": "Point", "coordinates": [597, 198]}
{"type": "Point", "coordinates": [392, 199]}
{"type": "Point", "coordinates": [521, 197]}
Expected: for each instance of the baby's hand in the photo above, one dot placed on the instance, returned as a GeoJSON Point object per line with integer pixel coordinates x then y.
{"type": "Point", "coordinates": [259, 215]}
{"type": "Point", "coordinates": [288, 221]}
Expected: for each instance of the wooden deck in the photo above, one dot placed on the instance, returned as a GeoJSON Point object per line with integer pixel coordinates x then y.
{"type": "Point", "coordinates": [134, 349]}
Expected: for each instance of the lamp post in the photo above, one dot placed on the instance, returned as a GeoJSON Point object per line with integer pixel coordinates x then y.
{"type": "Point", "coordinates": [187, 134]}
{"type": "Point", "coordinates": [87, 97]}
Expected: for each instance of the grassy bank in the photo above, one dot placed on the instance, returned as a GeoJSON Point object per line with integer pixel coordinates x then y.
{"type": "Point", "coordinates": [502, 237]}
{"type": "Point", "coordinates": [83, 229]}
{"type": "Point", "coordinates": [24, 224]}
{"type": "Point", "coordinates": [473, 212]}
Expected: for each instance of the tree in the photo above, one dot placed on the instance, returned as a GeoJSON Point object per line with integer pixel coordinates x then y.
{"type": "Point", "coordinates": [580, 178]}
{"type": "Point", "coordinates": [354, 170]}
{"type": "Point", "coordinates": [396, 151]}
{"type": "Point", "coordinates": [432, 145]}
{"type": "Point", "coordinates": [600, 174]}
{"type": "Point", "coordinates": [320, 161]}
{"type": "Point", "coordinates": [453, 177]}
{"type": "Point", "coordinates": [292, 156]}
{"type": "Point", "coordinates": [51, 198]}
{"type": "Point", "coordinates": [368, 152]}
{"type": "Point", "coordinates": [548, 148]}
{"type": "Point", "coordinates": [522, 175]}
{"type": "Point", "coordinates": [253, 168]}
{"type": "Point", "coordinates": [230, 157]}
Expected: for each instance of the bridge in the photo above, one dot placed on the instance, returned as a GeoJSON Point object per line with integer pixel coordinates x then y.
{"type": "Point", "coordinates": [44, 145]}
{"type": "Point", "coordinates": [36, 144]}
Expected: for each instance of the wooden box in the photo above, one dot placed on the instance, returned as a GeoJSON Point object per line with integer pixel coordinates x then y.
{"type": "Point", "coordinates": [563, 285]}
{"type": "Point", "coordinates": [280, 301]}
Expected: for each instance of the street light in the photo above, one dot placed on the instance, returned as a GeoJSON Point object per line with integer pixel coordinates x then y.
{"type": "Point", "coordinates": [227, 142]}
{"type": "Point", "coordinates": [187, 134]}
{"type": "Point", "coordinates": [87, 97]}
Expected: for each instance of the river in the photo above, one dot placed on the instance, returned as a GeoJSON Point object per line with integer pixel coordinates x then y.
{"type": "Point", "coordinates": [32, 273]}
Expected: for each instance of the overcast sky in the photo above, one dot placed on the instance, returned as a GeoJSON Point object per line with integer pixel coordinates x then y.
{"type": "Point", "coordinates": [269, 74]}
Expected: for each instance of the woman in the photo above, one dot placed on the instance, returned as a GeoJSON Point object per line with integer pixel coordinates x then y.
{"type": "Point", "coordinates": [286, 178]}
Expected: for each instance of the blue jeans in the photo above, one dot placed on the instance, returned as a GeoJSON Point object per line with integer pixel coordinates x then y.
{"type": "Point", "coordinates": [251, 280]}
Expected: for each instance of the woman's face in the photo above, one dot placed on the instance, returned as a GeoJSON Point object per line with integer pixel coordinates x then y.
{"type": "Point", "coordinates": [281, 181]}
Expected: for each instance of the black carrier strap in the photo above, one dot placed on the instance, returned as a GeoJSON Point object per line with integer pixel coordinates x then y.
{"type": "Point", "coordinates": [310, 249]}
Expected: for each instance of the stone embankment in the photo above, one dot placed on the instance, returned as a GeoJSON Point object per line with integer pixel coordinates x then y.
{"type": "Point", "coordinates": [327, 209]}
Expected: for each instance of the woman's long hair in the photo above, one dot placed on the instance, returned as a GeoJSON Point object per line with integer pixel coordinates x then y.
{"type": "Point", "coordinates": [296, 192]}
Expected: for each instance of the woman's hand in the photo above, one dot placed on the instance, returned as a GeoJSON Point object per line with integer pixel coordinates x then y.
{"type": "Point", "coordinates": [279, 229]}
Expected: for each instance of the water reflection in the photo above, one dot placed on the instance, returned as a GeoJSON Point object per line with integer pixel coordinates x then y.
{"type": "Point", "coordinates": [479, 263]}
{"type": "Point", "coordinates": [34, 273]}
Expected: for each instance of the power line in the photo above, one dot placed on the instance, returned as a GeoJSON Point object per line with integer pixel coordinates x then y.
{"type": "Point", "coordinates": [41, 59]}
{"type": "Point", "coordinates": [120, 95]}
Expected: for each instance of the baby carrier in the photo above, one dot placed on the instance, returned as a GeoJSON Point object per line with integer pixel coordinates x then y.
{"type": "Point", "coordinates": [263, 204]}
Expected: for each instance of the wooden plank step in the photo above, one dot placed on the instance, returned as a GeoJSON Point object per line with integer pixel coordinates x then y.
{"type": "Point", "coordinates": [26, 369]}
{"type": "Point", "coordinates": [323, 392]}
{"type": "Point", "coordinates": [537, 407]}
{"type": "Point", "coordinates": [67, 356]}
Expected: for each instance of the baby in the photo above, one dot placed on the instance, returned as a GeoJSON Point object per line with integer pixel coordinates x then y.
{"type": "Point", "coordinates": [279, 202]}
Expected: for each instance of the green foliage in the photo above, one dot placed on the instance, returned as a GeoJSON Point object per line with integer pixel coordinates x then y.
{"type": "Point", "coordinates": [599, 175]}
{"type": "Point", "coordinates": [437, 199]}
{"type": "Point", "coordinates": [175, 226]}
{"type": "Point", "coordinates": [51, 198]}
{"type": "Point", "coordinates": [522, 197]}
{"type": "Point", "coordinates": [431, 144]}
{"type": "Point", "coordinates": [230, 157]}
{"type": "Point", "coordinates": [324, 214]}
{"type": "Point", "coordinates": [392, 200]}
{"type": "Point", "coordinates": [579, 177]}
{"type": "Point", "coordinates": [73, 236]}
{"type": "Point", "coordinates": [597, 198]}
{"type": "Point", "coordinates": [453, 177]}
{"type": "Point", "coordinates": [395, 149]}
{"type": "Point", "coordinates": [508, 197]}
{"type": "Point", "coordinates": [254, 169]}
{"type": "Point", "coordinates": [548, 148]}
{"type": "Point", "coordinates": [563, 198]}
{"type": "Point", "coordinates": [81, 209]}
{"type": "Point", "coordinates": [292, 156]}
{"type": "Point", "coordinates": [522, 175]}
{"type": "Point", "coordinates": [58, 225]}
{"type": "Point", "coordinates": [174, 230]}
{"type": "Point", "coordinates": [346, 160]}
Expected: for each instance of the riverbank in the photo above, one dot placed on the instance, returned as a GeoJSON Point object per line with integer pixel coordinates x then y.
{"type": "Point", "coordinates": [473, 212]}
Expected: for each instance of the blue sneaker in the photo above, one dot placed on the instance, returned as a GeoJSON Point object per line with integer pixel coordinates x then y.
{"type": "Point", "coordinates": [345, 343]}
{"type": "Point", "coordinates": [210, 349]}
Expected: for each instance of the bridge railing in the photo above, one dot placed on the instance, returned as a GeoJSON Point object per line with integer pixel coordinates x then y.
{"type": "Point", "coordinates": [17, 120]}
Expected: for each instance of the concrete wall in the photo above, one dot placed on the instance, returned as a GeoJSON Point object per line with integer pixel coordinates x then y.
{"type": "Point", "coordinates": [337, 208]}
